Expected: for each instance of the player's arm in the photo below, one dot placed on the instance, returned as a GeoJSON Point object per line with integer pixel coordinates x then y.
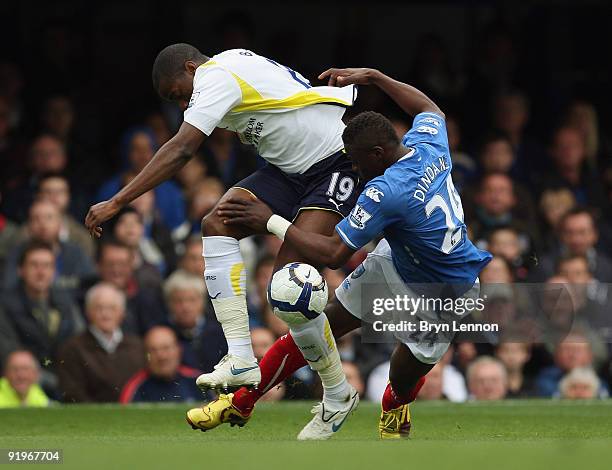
{"type": "Point", "coordinates": [319, 249]}
{"type": "Point", "coordinates": [411, 100]}
{"type": "Point", "coordinates": [170, 158]}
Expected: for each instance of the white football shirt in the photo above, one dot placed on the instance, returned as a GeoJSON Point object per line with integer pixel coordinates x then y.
{"type": "Point", "coordinates": [292, 124]}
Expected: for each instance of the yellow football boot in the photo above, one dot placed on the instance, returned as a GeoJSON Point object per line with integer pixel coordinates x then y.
{"type": "Point", "coordinates": [216, 412]}
{"type": "Point", "coordinates": [395, 424]}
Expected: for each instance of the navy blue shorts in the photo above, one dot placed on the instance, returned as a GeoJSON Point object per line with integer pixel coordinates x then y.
{"type": "Point", "coordinates": [330, 184]}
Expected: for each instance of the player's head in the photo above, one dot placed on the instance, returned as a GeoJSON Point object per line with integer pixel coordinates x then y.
{"type": "Point", "coordinates": [371, 143]}
{"type": "Point", "coordinates": [173, 71]}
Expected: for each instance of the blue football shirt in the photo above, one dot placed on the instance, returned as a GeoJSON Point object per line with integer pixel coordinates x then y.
{"type": "Point", "coordinates": [417, 208]}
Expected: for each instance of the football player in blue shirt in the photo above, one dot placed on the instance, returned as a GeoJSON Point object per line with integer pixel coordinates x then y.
{"type": "Point", "coordinates": [411, 200]}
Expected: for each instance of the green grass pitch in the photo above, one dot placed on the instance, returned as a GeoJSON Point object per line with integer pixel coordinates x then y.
{"type": "Point", "coordinates": [505, 435]}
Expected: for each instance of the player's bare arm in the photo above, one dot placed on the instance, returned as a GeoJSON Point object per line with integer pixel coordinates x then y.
{"type": "Point", "coordinates": [320, 249]}
{"type": "Point", "coordinates": [170, 158]}
{"type": "Point", "coordinates": [411, 100]}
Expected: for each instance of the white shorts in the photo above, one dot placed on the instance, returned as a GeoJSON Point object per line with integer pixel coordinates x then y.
{"type": "Point", "coordinates": [378, 275]}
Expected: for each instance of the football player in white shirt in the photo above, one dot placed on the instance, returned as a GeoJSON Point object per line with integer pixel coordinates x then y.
{"type": "Point", "coordinates": [298, 129]}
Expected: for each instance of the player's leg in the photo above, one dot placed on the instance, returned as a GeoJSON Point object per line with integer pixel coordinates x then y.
{"type": "Point", "coordinates": [279, 363]}
{"type": "Point", "coordinates": [226, 277]}
{"type": "Point", "coordinates": [406, 377]}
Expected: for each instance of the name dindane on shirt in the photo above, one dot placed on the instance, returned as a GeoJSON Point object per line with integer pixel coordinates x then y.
{"type": "Point", "coordinates": [431, 171]}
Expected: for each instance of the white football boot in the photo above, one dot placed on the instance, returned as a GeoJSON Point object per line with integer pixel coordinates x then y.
{"type": "Point", "coordinates": [231, 372]}
{"type": "Point", "coordinates": [327, 421]}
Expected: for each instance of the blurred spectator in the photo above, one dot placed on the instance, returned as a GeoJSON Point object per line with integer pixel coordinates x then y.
{"type": "Point", "coordinates": [554, 204]}
{"type": "Point", "coordinates": [194, 171]}
{"type": "Point", "coordinates": [94, 366]}
{"type": "Point", "coordinates": [487, 379]}
{"type": "Point", "coordinates": [203, 197]}
{"type": "Point", "coordinates": [156, 244]}
{"type": "Point", "coordinates": [45, 224]}
{"type": "Point", "coordinates": [19, 386]}
{"type": "Point", "coordinates": [582, 116]}
{"type": "Point", "coordinates": [164, 379]}
{"type": "Point", "coordinates": [41, 317]}
{"type": "Point", "coordinates": [578, 235]}
{"type": "Point", "coordinates": [262, 339]}
{"type": "Point", "coordinates": [498, 271]}
{"type": "Point", "coordinates": [58, 117]}
{"type": "Point", "coordinates": [47, 155]}
{"type": "Point", "coordinates": [55, 188]}
{"type": "Point", "coordinates": [84, 167]}
{"type": "Point", "coordinates": [572, 352]}
{"type": "Point", "coordinates": [192, 260]}
{"type": "Point", "coordinates": [514, 356]}
{"type": "Point", "coordinates": [145, 306]}
{"type": "Point", "coordinates": [199, 333]}
{"type": "Point", "coordinates": [128, 229]}
{"type": "Point", "coordinates": [138, 147]}
{"type": "Point", "coordinates": [511, 117]}
{"type": "Point", "coordinates": [570, 169]}
{"type": "Point", "coordinates": [496, 207]}
{"type": "Point", "coordinates": [506, 243]}
{"type": "Point", "coordinates": [581, 383]}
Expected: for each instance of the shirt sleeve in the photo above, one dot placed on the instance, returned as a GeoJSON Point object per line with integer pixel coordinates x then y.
{"type": "Point", "coordinates": [427, 128]}
{"type": "Point", "coordinates": [369, 217]}
{"type": "Point", "coordinates": [215, 93]}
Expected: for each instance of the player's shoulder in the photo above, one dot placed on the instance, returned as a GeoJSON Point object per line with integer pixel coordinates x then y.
{"type": "Point", "coordinates": [425, 124]}
{"type": "Point", "coordinates": [383, 189]}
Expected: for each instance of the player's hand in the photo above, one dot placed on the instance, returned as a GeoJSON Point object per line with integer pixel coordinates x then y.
{"type": "Point", "coordinates": [98, 214]}
{"type": "Point", "coordinates": [251, 213]}
{"type": "Point", "coordinates": [343, 77]}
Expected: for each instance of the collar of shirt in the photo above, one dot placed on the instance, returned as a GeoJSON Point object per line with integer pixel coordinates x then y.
{"type": "Point", "coordinates": [111, 344]}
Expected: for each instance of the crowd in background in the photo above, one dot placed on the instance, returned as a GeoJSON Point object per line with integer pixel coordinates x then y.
{"type": "Point", "coordinates": [127, 318]}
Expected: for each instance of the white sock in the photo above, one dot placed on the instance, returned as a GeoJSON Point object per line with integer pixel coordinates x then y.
{"type": "Point", "coordinates": [225, 278]}
{"type": "Point", "coordinates": [316, 340]}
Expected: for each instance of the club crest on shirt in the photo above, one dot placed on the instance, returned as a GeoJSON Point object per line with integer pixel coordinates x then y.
{"type": "Point", "coordinates": [193, 99]}
{"type": "Point", "coordinates": [359, 217]}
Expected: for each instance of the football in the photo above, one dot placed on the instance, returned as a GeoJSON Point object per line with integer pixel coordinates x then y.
{"type": "Point", "coordinates": [297, 293]}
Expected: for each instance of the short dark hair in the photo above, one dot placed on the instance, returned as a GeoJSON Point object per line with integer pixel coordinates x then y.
{"type": "Point", "coordinates": [170, 61]}
{"type": "Point", "coordinates": [108, 243]}
{"type": "Point", "coordinates": [580, 210]}
{"type": "Point", "coordinates": [369, 129]}
{"type": "Point", "coordinates": [494, 135]}
{"type": "Point", "coordinates": [569, 257]}
{"type": "Point", "coordinates": [50, 175]}
{"type": "Point", "coordinates": [32, 246]}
